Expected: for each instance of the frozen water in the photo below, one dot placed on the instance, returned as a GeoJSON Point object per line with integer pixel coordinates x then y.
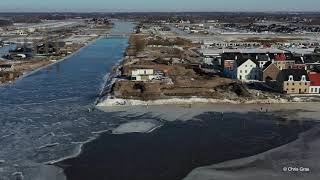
{"type": "Point", "coordinates": [141, 126]}
{"type": "Point", "coordinates": [44, 114]}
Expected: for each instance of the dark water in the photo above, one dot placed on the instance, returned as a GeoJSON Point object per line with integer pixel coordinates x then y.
{"type": "Point", "coordinates": [172, 151]}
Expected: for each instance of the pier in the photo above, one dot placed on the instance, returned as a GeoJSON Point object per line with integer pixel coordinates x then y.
{"type": "Point", "coordinates": [117, 35]}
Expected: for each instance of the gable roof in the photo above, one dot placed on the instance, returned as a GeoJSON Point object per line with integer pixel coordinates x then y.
{"type": "Point", "coordinates": [268, 64]}
{"type": "Point", "coordinates": [296, 73]}
{"type": "Point", "coordinates": [240, 62]}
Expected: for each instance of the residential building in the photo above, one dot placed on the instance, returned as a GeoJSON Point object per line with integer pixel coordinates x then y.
{"type": "Point", "coordinates": [315, 83]}
{"type": "Point", "coordinates": [293, 81]}
{"type": "Point", "coordinates": [229, 69]}
{"type": "Point", "coordinates": [270, 72]}
{"type": "Point", "coordinates": [311, 61]}
{"type": "Point", "coordinates": [299, 63]}
{"type": "Point", "coordinates": [6, 67]}
{"type": "Point", "coordinates": [142, 75]}
{"type": "Point", "coordinates": [262, 60]}
{"type": "Point", "coordinates": [282, 63]}
{"type": "Point", "coordinates": [247, 70]}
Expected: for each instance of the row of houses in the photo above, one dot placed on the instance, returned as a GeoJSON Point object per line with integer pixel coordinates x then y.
{"type": "Point", "coordinates": [291, 76]}
{"type": "Point", "coordinates": [6, 67]}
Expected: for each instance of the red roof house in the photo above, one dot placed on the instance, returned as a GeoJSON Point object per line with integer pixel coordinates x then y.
{"type": "Point", "coordinates": [280, 57]}
{"type": "Point", "coordinates": [314, 78]}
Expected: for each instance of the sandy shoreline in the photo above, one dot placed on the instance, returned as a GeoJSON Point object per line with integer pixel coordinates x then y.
{"type": "Point", "coordinates": [173, 112]}
{"type": "Point", "coordinates": [109, 101]}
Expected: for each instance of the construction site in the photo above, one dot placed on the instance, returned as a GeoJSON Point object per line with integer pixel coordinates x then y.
{"type": "Point", "coordinates": [151, 71]}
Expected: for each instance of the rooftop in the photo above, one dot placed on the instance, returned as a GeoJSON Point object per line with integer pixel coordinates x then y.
{"type": "Point", "coordinates": [296, 73]}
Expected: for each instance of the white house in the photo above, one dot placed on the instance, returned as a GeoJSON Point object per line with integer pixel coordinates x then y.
{"type": "Point", "coordinates": [142, 75]}
{"type": "Point", "coordinates": [6, 67]}
{"type": "Point", "coordinates": [21, 33]}
{"type": "Point", "coordinates": [247, 70]}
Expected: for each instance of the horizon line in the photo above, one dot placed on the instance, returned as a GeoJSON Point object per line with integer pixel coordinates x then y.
{"type": "Point", "coordinates": [226, 11]}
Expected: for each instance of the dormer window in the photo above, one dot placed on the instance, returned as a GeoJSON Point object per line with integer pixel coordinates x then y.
{"type": "Point", "coordinates": [303, 78]}
{"type": "Point", "coordinates": [290, 78]}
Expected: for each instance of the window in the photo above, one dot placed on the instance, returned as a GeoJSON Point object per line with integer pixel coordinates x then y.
{"type": "Point", "coordinates": [306, 84]}
{"type": "Point", "coordinates": [292, 89]}
{"type": "Point", "coordinates": [303, 78]}
{"type": "Point", "coordinates": [246, 71]}
{"type": "Point", "coordinates": [311, 90]}
{"type": "Point", "coordinates": [240, 71]}
{"type": "Point", "coordinates": [292, 84]}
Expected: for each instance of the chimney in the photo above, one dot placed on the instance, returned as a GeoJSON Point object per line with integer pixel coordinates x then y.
{"type": "Point", "coordinates": [302, 59]}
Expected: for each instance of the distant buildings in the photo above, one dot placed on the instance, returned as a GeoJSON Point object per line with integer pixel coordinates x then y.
{"type": "Point", "coordinates": [287, 73]}
{"type": "Point", "coordinates": [6, 67]}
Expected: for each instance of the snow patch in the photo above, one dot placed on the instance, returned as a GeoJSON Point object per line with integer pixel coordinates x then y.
{"type": "Point", "coordinates": [143, 126]}
{"type": "Point", "coordinates": [111, 101]}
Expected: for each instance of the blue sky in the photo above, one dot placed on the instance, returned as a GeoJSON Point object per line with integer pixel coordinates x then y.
{"type": "Point", "coordinates": [158, 5]}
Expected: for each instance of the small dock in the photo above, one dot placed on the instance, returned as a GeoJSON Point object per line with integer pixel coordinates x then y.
{"type": "Point", "coordinates": [117, 35]}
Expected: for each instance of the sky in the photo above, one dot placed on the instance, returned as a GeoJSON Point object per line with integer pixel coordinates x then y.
{"type": "Point", "coordinates": [156, 5]}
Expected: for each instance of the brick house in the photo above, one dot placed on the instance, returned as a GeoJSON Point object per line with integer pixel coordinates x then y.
{"type": "Point", "coordinates": [270, 72]}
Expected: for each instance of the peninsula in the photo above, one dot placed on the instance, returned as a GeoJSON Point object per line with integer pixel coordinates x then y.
{"type": "Point", "coordinates": [195, 61]}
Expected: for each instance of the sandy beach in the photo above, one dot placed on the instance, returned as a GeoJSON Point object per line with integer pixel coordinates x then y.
{"type": "Point", "coordinates": [184, 111]}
